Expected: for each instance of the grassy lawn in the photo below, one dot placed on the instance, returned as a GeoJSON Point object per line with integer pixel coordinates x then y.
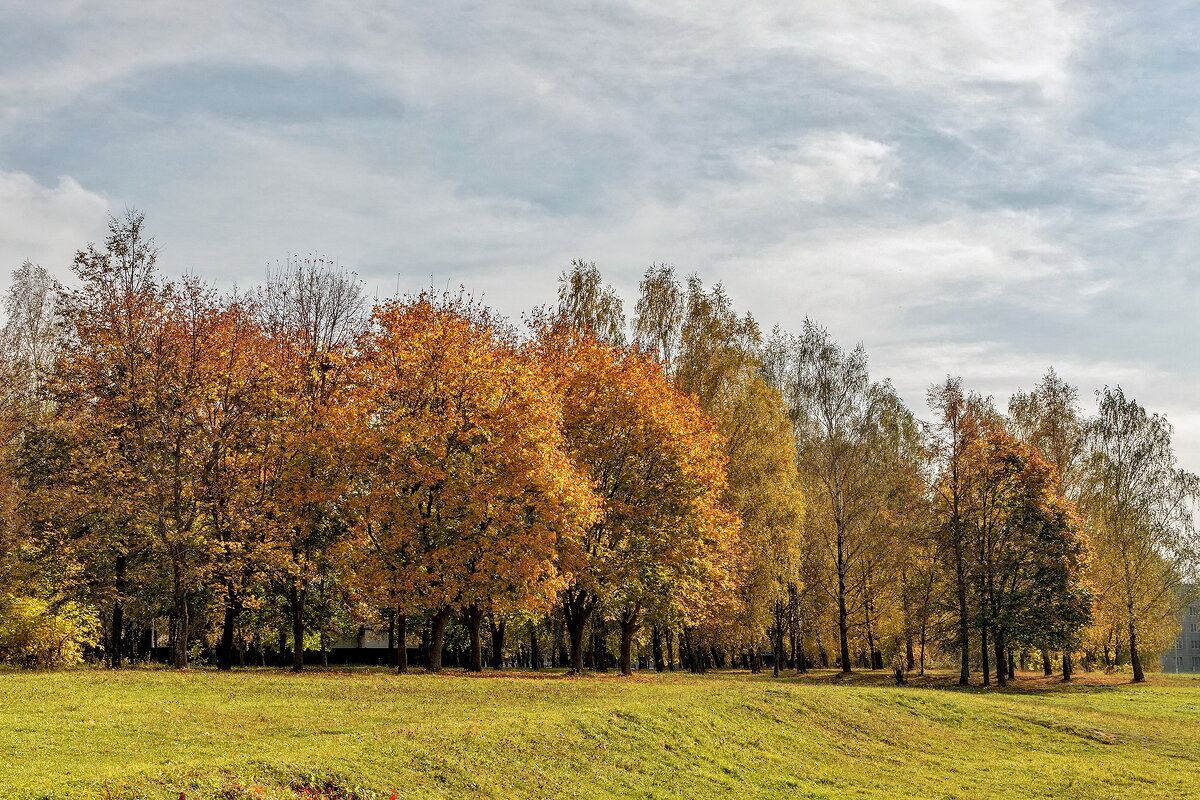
{"type": "Point", "coordinates": [157, 734]}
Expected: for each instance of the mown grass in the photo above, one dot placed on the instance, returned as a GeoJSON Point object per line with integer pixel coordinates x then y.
{"type": "Point", "coordinates": [263, 733]}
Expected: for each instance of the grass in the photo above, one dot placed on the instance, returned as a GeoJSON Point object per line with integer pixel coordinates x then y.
{"type": "Point", "coordinates": [369, 734]}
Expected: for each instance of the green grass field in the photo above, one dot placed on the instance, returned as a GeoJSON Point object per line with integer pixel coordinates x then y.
{"type": "Point", "coordinates": [263, 733]}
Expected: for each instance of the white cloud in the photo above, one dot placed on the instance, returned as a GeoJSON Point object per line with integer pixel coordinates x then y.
{"type": "Point", "coordinates": [46, 224]}
{"type": "Point", "coordinates": [822, 166]}
{"type": "Point", "coordinates": [908, 277]}
{"type": "Point", "coordinates": [1162, 187]}
{"type": "Point", "coordinates": [927, 45]}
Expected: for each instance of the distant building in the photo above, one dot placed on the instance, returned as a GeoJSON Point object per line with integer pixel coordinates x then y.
{"type": "Point", "coordinates": [1185, 656]}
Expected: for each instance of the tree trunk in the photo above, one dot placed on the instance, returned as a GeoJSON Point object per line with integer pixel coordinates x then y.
{"type": "Point", "coordinates": [535, 652]}
{"type": "Point", "coordinates": [437, 636]}
{"type": "Point", "coordinates": [777, 643]}
{"type": "Point", "coordinates": [498, 643]}
{"type": "Point", "coordinates": [801, 657]}
{"type": "Point", "coordinates": [964, 617]}
{"type": "Point", "coordinates": [1047, 664]}
{"type": "Point", "coordinates": [577, 608]}
{"type": "Point", "coordinates": [906, 607]}
{"type": "Point", "coordinates": [656, 648]}
{"type": "Point", "coordinates": [1135, 658]}
{"type": "Point", "coordinates": [670, 650]}
{"type": "Point", "coordinates": [228, 625]}
{"type": "Point", "coordinates": [118, 614]}
{"type": "Point", "coordinates": [179, 639]}
{"type": "Point", "coordinates": [1001, 667]}
{"type": "Point", "coordinates": [843, 616]}
{"type": "Point", "coordinates": [401, 625]}
{"type": "Point", "coordinates": [875, 657]}
{"type": "Point", "coordinates": [297, 598]}
{"type": "Point", "coordinates": [599, 643]}
{"type": "Point", "coordinates": [796, 630]}
{"type": "Point", "coordinates": [628, 622]}
{"type": "Point", "coordinates": [924, 630]}
{"type": "Point", "coordinates": [694, 656]}
{"type": "Point", "coordinates": [391, 638]}
{"type": "Point", "coordinates": [775, 666]}
{"type": "Point", "coordinates": [1066, 666]}
{"type": "Point", "coordinates": [473, 616]}
{"type": "Point", "coordinates": [983, 655]}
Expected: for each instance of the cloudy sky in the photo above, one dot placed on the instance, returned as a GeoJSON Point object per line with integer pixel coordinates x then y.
{"type": "Point", "coordinates": [977, 187]}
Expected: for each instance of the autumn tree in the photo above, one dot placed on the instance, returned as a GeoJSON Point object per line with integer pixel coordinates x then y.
{"type": "Point", "coordinates": [1032, 552]}
{"type": "Point", "coordinates": [890, 609]}
{"type": "Point", "coordinates": [31, 339]}
{"type": "Point", "coordinates": [1048, 418]}
{"type": "Point", "coordinates": [659, 319]}
{"type": "Point", "coordinates": [239, 413]}
{"type": "Point", "coordinates": [835, 408]}
{"type": "Point", "coordinates": [715, 354]}
{"type": "Point", "coordinates": [128, 380]}
{"type": "Point", "coordinates": [1141, 507]}
{"type": "Point", "coordinates": [312, 313]}
{"type": "Point", "coordinates": [953, 433]}
{"type": "Point", "coordinates": [590, 304]}
{"type": "Point", "coordinates": [463, 497]}
{"type": "Point", "coordinates": [656, 465]}
{"type": "Point", "coordinates": [46, 584]}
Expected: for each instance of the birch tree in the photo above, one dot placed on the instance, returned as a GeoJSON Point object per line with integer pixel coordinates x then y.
{"type": "Point", "coordinates": [1141, 506]}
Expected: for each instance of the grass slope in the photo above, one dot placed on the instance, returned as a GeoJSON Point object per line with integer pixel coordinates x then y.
{"type": "Point", "coordinates": [156, 733]}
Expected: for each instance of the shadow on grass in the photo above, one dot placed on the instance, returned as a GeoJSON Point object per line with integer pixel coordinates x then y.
{"type": "Point", "coordinates": [1023, 683]}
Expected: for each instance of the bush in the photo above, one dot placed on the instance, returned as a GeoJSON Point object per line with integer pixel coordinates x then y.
{"type": "Point", "coordinates": [33, 633]}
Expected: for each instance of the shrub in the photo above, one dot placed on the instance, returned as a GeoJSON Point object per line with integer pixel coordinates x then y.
{"type": "Point", "coordinates": [35, 633]}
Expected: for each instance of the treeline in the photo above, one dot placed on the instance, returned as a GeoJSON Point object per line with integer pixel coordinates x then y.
{"type": "Point", "coordinates": [274, 469]}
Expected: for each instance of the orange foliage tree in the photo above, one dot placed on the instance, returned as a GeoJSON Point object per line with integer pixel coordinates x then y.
{"type": "Point", "coordinates": [463, 498]}
{"type": "Point", "coordinates": [1031, 550]}
{"type": "Point", "coordinates": [656, 462]}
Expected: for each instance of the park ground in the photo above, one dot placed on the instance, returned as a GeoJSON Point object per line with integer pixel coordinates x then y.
{"type": "Point", "coordinates": [154, 733]}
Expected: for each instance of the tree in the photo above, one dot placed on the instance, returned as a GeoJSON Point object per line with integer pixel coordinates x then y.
{"type": "Point", "coordinates": [238, 412]}
{"type": "Point", "coordinates": [655, 463]}
{"type": "Point", "coordinates": [1032, 551]}
{"type": "Point", "coordinates": [138, 359]}
{"type": "Point", "coordinates": [589, 304]}
{"type": "Point", "coordinates": [715, 355]}
{"type": "Point", "coordinates": [464, 497]}
{"type": "Point", "coordinates": [1048, 418]}
{"type": "Point", "coordinates": [764, 491]}
{"type": "Point", "coordinates": [660, 313]}
{"type": "Point", "coordinates": [32, 337]}
{"type": "Point", "coordinates": [835, 409]}
{"type": "Point", "coordinates": [956, 428]}
{"type": "Point", "coordinates": [312, 312]}
{"type": "Point", "coordinates": [1141, 507]}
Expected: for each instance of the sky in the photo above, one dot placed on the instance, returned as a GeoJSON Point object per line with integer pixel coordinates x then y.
{"type": "Point", "coordinates": [970, 187]}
